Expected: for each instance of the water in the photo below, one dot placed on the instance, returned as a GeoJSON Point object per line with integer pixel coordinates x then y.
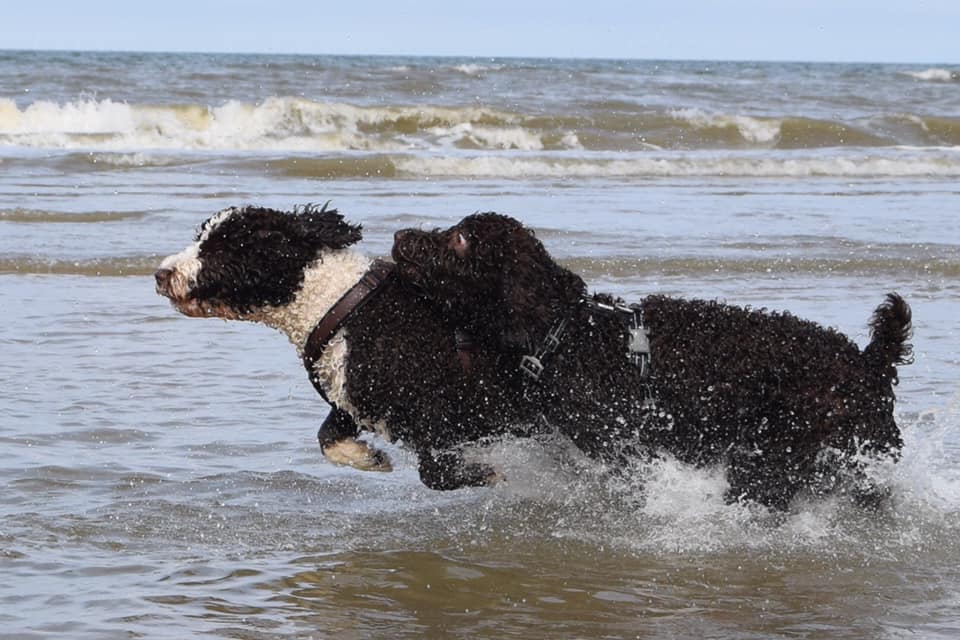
{"type": "Point", "coordinates": [161, 477]}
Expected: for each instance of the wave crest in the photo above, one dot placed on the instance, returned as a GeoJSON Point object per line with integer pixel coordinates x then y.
{"type": "Point", "coordinates": [277, 123]}
{"type": "Point", "coordinates": [934, 74]}
{"type": "Point", "coordinates": [301, 125]}
{"type": "Point", "coordinates": [692, 165]}
{"type": "Point", "coordinates": [750, 129]}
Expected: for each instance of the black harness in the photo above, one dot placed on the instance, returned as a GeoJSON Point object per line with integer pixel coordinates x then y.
{"type": "Point", "coordinates": [638, 344]}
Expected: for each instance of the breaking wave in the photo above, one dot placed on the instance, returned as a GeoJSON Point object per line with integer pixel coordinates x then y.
{"type": "Point", "coordinates": [934, 74]}
{"type": "Point", "coordinates": [291, 124]}
{"type": "Point", "coordinates": [301, 125]}
{"type": "Point", "coordinates": [749, 129]}
{"type": "Point", "coordinates": [946, 163]}
{"type": "Point", "coordinates": [474, 69]}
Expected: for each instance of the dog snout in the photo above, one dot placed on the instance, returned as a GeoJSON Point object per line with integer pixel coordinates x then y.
{"type": "Point", "coordinates": [163, 276]}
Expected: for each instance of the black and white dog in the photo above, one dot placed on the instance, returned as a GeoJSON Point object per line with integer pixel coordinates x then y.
{"type": "Point", "coordinates": [385, 361]}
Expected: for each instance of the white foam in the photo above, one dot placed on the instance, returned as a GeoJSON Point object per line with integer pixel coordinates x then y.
{"type": "Point", "coordinates": [135, 159]}
{"type": "Point", "coordinates": [473, 69]}
{"type": "Point", "coordinates": [759, 130]}
{"type": "Point", "coordinates": [928, 474]}
{"type": "Point", "coordinates": [934, 75]}
{"type": "Point", "coordinates": [571, 141]}
{"type": "Point", "coordinates": [81, 117]}
{"type": "Point", "coordinates": [944, 162]}
{"type": "Point", "coordinates": [504, 138]}
{"type": "Point", "coordinates": [275, 124]}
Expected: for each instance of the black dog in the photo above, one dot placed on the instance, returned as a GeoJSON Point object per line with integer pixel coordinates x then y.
{"type": "Point", "coordinates": [383, 357]}
{"type": "Point", "coordinates": [785, 403]}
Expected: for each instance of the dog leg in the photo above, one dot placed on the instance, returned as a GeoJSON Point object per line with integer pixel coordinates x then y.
{"type": "Point", "coordinates": [864, 491]}
{"type": "Point", "coordinates": [771, 480]}
{"type": "Point", "coordinates": [599, 432]}
{"type": "Point", "coordinates": [446, 470]}
{"type": "Point", "coordinates": [339, 444]}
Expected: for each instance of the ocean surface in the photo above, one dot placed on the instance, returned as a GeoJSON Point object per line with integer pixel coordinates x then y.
{"type": "Point", "coordinates": [160, 474]}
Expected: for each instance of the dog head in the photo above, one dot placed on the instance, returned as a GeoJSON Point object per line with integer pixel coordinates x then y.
{"type": "Point", "coordinates": [490, 275]}
{"type": "Point", "coordinates": [247, 258]}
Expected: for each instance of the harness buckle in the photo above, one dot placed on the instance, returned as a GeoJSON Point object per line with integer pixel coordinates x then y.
{"type": "Point", "coordinates": [641, 361]}
{"type": "Point", "coordinates": [552, 340]}
{"type": "Point", "coordinates": [638, 347]}
{"type": "Point", "coordinates": [638, 341]}
{"type": "Point", "coordinates": [531, 367]}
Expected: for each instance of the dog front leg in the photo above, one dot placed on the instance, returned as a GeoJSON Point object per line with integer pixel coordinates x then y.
{"type": "Point", "coordinates": [447, 470]}
{"type": "Point", "coordinates": [339, 444]}
{"type": "Point", "coordinates": [770, 480]}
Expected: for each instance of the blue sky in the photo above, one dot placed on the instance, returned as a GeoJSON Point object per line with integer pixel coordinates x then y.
{"type": "Point", "coordinates": [924, 31]}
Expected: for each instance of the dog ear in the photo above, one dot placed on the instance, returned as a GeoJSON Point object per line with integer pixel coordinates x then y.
{"type": "Point", "coordinates": [326, 227]}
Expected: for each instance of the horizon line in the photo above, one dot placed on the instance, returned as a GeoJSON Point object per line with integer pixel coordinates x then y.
{"type": "Point", "coordinates": [465, 56]}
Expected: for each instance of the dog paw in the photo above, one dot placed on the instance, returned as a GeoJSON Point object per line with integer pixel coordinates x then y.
{"type": "Point", "coordinates": [482, 475]}
{"type": "Point", "coordinates": [495, 477]}
{"type": "Point", "coordinates": [357, 454]}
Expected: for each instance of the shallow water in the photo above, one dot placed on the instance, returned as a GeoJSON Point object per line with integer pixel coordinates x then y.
{"type": "Point", "coordinates": [161, 474]}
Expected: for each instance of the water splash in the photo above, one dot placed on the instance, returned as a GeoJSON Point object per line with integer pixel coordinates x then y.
{"type": "Point", "coordinates": [667, 507]}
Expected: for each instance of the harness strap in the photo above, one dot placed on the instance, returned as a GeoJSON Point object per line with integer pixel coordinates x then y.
{"type": "Point", "coordinates": [532, 365]}
{"type": "Point", "coordinates": [638, 345]}
{"type": "Point", "coordinates": [378, 273]}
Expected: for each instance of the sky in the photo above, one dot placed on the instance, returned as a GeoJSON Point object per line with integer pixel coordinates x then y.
{"type": "Point", "coordinates": [917, 31]}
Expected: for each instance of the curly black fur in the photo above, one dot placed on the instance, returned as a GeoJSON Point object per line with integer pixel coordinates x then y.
{"type": "Point", "coordinates": [275, 250]}
{"type": "Point", "coordinates": [403, 368]}
{"type": "Point", "coordinates": [890, 329]}
{"type": "Point", "coordinates": [769, 394]}
{"type": "Point", "coordinates": [509, 270]}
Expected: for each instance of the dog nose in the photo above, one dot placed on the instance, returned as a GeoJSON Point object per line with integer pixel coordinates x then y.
{"type": "Point", "coordinates": [162, 276]}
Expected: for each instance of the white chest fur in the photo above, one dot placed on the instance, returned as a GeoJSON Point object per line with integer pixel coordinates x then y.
{"type": "Point", "coordinates": [325, 282]}
{"type": "Point", "coordinates": [331, 371]}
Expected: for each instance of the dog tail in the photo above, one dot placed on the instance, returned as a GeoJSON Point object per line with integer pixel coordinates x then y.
{"type": "Point", "coordinates": [890, 328]}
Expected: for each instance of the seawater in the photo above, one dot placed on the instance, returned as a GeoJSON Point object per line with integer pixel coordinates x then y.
{"type": "Point", "coordinates": [161, 474]}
